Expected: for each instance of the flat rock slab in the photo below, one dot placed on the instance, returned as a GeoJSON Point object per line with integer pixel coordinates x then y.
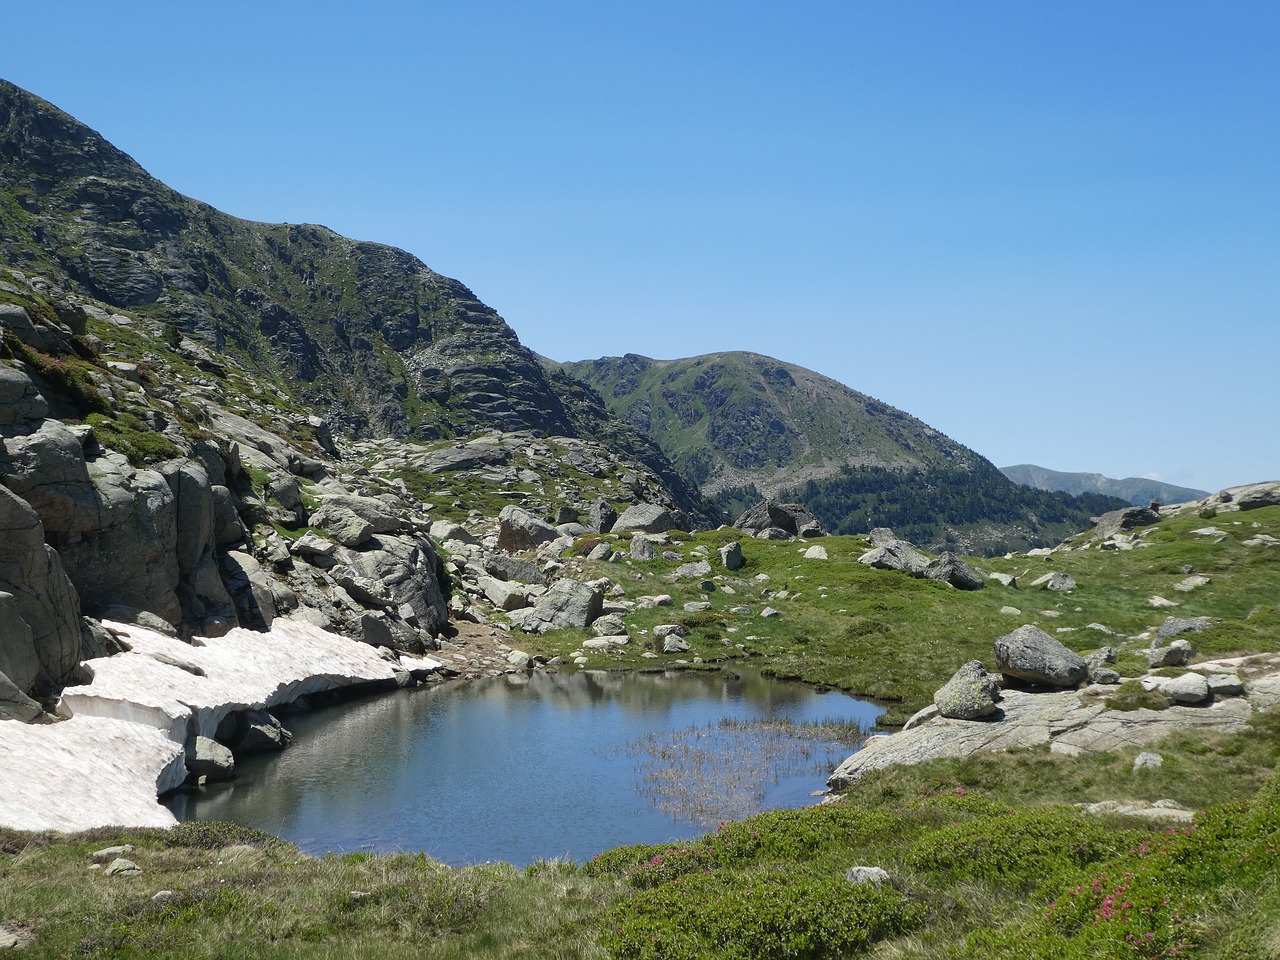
{"type": "Point", "coordinates": [1033, 719]}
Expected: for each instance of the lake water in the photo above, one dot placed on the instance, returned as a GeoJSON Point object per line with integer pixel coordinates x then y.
{"type": "Point", "coordinates": [539, 765]}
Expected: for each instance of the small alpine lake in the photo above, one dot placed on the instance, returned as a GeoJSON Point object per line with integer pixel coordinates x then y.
{"type": "Point", "coordinates": [540, 765]}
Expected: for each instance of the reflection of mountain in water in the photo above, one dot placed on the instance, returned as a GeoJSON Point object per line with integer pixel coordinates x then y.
{"type": "Point", "coordinates": [517, 768]}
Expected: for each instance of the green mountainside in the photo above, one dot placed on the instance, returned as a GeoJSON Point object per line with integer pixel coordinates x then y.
{"type": "Point", "coordinates": [742, 425]}
{"type": "Point", "coordinates": [364, 334]}
{"type": "Point", "coordinates": [1137, 490]}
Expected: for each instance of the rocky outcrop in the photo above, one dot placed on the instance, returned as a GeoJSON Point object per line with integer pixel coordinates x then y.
{"type": "Point", "coordinates": [1076, 722]}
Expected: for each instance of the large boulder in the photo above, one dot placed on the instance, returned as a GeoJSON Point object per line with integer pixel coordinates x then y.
{"type": "Point", "coordinates": [1057, 580]}
{"type": "Point", "coordinates": [567, 603]}
{"type": "Point", "coordinates": [408, 569]}
{"type": "Point", "coordinates": [970, 694]}
{"type": "Point", "coordinates": [380, 517]}
{"type": "Point", "coordinates": [651, 518]}
{"type": "Point", "coordinates": [1175, 627]}
{"type": "Point", "coordinates": [896, 555]}
{"type": "Point", "coordinates": [1126, 518]}
{"type": "Point", "coordinates": [503, 566]}
{"type": "Point", "coordinates": [343, 524]}
{"type": "Point", "coordinates": [16, 705]}
{"type": "Point", "coordinates": [20, 399]}
{"type": "Point", "coordinates": [794, 518]}
{"type": "Point", "coordinates": [602, 516]}
{"type": "Point", "coordinates": [951, 569]}
{"type": "Point", "coordinates": [520, 530]}
{"type": "Point", "coordinates": [731, 556]}
{"type": "Point", "coordinates": [644, 549]}
{"type": "Point", "coordinates": [1257, 495]}
{"type": "Point", "coordinates": [1031, 655]}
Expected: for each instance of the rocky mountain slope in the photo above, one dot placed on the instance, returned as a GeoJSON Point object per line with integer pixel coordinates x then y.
{"type": "Point", "coordinates": [740, 425]}
{"type": "Point", "coordinates": [1137, 490]}
{"type": "Point", "coordinates": [366, 335]}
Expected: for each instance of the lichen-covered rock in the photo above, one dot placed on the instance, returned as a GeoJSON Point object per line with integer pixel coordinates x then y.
{"type": "Point", "coordinates": [970, 694]}
{"type": "Point", "coordinates": [1031, 655]}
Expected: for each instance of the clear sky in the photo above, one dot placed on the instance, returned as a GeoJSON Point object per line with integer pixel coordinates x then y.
{"type": "Point", "coordinates": [1050, 230]}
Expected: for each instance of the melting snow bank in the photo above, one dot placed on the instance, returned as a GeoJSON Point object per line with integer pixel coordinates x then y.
{"type": "Point", "coordinates": [124, 741]}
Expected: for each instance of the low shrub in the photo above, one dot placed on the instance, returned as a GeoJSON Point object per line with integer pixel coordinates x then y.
{"type": "Point", "coordinates": [1131, 695]}
{"type": "Point", "coordinates": [1027, 847]}
{"type": "Point", "coordinates": [760, 916]}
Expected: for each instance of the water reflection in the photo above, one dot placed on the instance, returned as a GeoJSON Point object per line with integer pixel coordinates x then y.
{"type": "Point", "coordinates": [518, 768]}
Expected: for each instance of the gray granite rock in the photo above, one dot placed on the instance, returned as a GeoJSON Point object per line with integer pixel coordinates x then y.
{"type": "Point", "coordinates": [1031, 655]}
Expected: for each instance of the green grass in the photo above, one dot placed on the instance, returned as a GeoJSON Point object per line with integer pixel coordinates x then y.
{"type": "Point", "coordinates": [886, 635]}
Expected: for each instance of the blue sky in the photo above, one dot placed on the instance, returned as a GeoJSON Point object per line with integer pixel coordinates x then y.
{"type": "Point", "coordinates": [1050, 230]}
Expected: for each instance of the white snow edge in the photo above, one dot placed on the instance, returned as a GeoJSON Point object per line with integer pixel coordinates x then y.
{"type": "Point", "coordinates": [124, 741]}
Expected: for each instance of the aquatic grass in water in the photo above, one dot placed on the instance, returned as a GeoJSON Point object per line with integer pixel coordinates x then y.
{"type": "Point", "coordinates": [706, 774]}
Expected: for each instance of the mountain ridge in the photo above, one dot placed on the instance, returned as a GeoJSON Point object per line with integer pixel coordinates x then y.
{"type": "Point", "coordinates": [741, 425]}
{"type": "Point", "coordinates": [1137, 490]}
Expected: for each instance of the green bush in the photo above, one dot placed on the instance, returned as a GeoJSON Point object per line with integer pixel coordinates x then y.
{"type": "Point", "coordinates": [1131, 695]}
{"type": "Point", "coordinates": [1027, 847]}
{"type": "Point", "coordinates": [760, 916]}
{"type": "Point", "coordinates": [800, 836]}
{"type": "Point", "coordinates": [215, 834]}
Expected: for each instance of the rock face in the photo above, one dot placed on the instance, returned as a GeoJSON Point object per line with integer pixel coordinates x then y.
{"type": "Point", "coordinates": [40, 645]}
{"type": "Point", "coordinates": [969, 695]}
{"type": "Point", "coordinates": [1032, 656]}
